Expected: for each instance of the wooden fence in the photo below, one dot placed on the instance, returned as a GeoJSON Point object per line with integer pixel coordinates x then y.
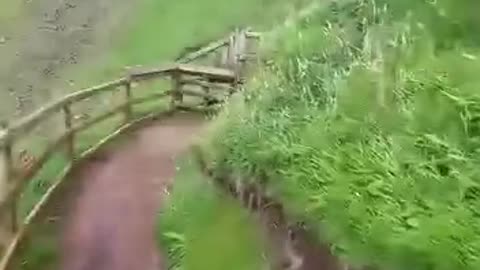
{"type": "Point", "coordinates": [14, 179]}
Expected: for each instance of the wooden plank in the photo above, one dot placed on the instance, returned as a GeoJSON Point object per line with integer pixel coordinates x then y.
{"type": "Point", "coordinates": [6, 217]}
{"type": "Point", "coordinates": [199, 108]}
{"type": "Point", "coordinates": [231, 53]}
{"type": "Point", "coordinates": [241, 44]}
{"type": "Point", "coordinates": [128, 98]}
{"type": "Point", "coordinates": [197, 94]}
{"type": "Point", "coordinates": [212, 73]}
{"type": "Point", "coordinates": [206, 84]}
{"type": "Point", "coordinates": [206, 90]}
{"type": "Point", "coordinates": [212, 46]}
{"type": "Point", "coordinates": [70, 139]}
{"type": "Point", "coordinates": [4, 135]}
{"type": "Point", "coordinates": [253, 35]}
{"type": "Point", "coordinates": [27, 123]}
{"type": "Point", "coordinates": [176, 94]}
{"type": "Point", "coordinates": [224, 57]}
{"type": "Point", "coordinates": [102, 117]}
{"type": "Point", "coordinates": [150, 97]}
{"type": "Point", "coordinates": [24, 177]}
{"type": "Point", "coordinates": [237, 53]}
{"type": "Point", "coordinates": [142, 73]}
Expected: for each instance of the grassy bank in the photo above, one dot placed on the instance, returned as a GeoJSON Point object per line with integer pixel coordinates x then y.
{"type": "Point", "coordinates": [161, 30]}
{"type": "Point", "coordinates": [200, 228]}
{"type": "Point", "coordinates": [366, 125]}
{"type": "Point", "coordinates": [9, 14]}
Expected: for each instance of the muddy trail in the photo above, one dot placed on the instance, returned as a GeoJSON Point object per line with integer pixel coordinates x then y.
{"type": "Point", "coordinates": [110, 224]}
{"type": "Point", "coordinates": [47, 42]}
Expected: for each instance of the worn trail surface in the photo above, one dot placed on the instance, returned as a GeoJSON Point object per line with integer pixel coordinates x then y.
{"type": "Point", "coordinates": [110, 225]}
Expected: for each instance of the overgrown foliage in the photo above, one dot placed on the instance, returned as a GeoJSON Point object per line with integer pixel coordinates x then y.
{"type": "Point", "coordinates": [367, 125]}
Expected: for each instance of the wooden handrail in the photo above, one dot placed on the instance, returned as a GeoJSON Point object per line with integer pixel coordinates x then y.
{"type": "Point", "coordinates": [27, 123]}
{"type": "Point", "coordinates": [22, 178]}
{"type": "Point", "coordinates": [142, 73]}
{"type": "Point", "coordinates": [212, 73]}
{"type": "Point", "coordinates": [12, 181]}
{"type": "Point", "coordinates": [205, 50]}
{"type": "Point", "coordinates": [205, 84]}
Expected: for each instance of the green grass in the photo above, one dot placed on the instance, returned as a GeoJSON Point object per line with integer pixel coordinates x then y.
{"type": "Point", "coordinates": [162, 29]}
{"type": "Point", "coordinates": [199, 228]}
{"type": "Point", "coordinates": [43, 253]}
{"type": "Point", "coordinates": [40, 249]}
{"type": "Point", "coordinates": [10, 11]}
{"type": "Point", "coordinates": [367, 127]}
{"type": "Point", "coordinates": [41, 183]}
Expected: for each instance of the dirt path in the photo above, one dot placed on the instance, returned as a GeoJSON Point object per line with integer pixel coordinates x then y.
{"type": "Point", "coordinates": [111, 226]}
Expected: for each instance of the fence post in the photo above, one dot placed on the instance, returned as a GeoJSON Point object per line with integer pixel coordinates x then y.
{"type": "Point", "coordinates": [224, 53]}
{"type": "Point", "coordinates": [70, 143]}
{"type": "Point", "coordinates": [8, 209]}
{"type": "Point", "coordinates": [128, 99]}
{"type": "Point", "coordinates": [231, 52]}
{"type": "Point", "coordinates": [177, 95]}
{"type": "Point", "coordinates": [206, 90]}
{"type": "Point", "coordinates": [233, 57]}
{"type": "Point", "coordinates": [241, 46]}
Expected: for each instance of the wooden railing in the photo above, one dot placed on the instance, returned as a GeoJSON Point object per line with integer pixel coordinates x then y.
{"type": "Point", "coordinates": [14, 179]}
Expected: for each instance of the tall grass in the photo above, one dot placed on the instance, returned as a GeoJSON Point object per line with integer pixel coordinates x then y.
{"type": "Point", "coordinates": [367, 125]}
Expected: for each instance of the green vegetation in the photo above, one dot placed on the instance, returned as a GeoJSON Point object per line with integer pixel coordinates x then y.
{"type": "Point", "coordinates": [162, 29]}
{"type": "Point", "coordinates": [41, 183]}
{"type": "Point", "coordinates": [10, 10]}
{"type": "Point", "coordinates": [367, 126]}
{"type": "Point", "coordinates": [195, 227]}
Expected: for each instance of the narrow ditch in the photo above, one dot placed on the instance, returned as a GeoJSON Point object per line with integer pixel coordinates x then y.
{"type": "Point", "coordinates": [290, 244]}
